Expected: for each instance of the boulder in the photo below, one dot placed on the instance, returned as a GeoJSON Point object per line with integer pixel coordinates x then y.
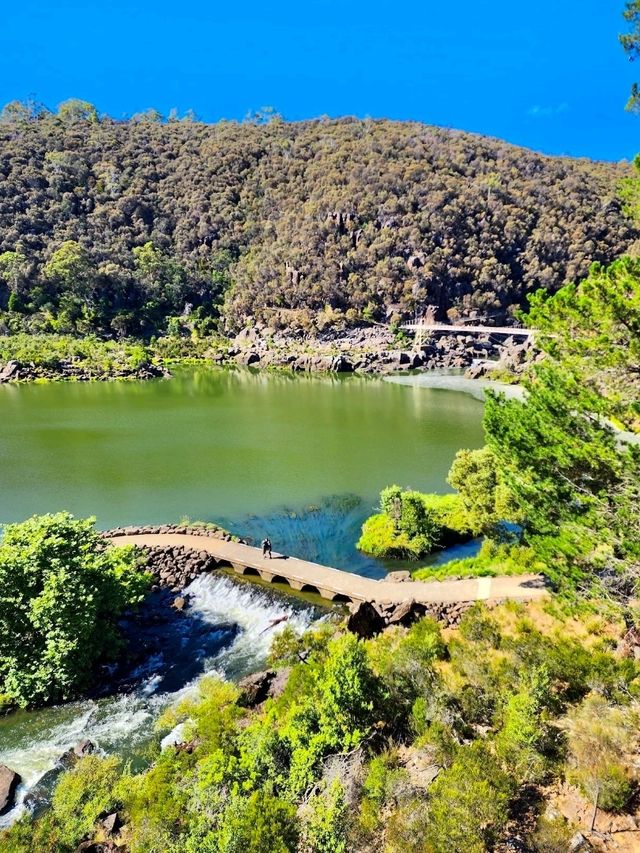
{"type": "Point", "coordinates": [9, 781]}
{"type": "Point", "coordinates": [112, 823]}
{"type": "Point", "coordinates": [84, 747]}
{"type": "Point", "coordinates": [398, 577]}
{"type": "Point", "coordinates": [179, 603]}
{"type": "Point", "coordinates": [10, 371]}
{"type": "Point", "coordinates": [255, 688]}
{"type": "Point", "coordinates": [277, 686]}
{"type": "Point", "coordinates": [365, 620]}
{"type": "Point", "coordinates": [406, 613]}
{"type": "Point", "coordinates": [341, 364]}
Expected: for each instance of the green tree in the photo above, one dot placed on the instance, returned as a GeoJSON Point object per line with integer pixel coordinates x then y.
{"type": "Point", "coordinates": [485, 498]}
{"type": "Point", "coordinates": [74, 109]}
{"type": "Point", "coordinates": [468, 803]}
{"type": "Point", "coordinates": [61, 592]}
{"type": "Point", "coordinates": [70, 269]}
{"type": "Point", "coordinates": [573, 480]}
{"type": "Point", "coordinates": [14, 270]}
{"type": "Point", "coordinates": [630, 42]}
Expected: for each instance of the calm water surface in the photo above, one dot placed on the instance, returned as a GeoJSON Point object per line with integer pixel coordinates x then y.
{"type": "Point", "coordinates": [303, 456]}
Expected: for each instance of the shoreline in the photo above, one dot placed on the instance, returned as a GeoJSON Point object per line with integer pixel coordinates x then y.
{"type": "Point", "coordinates": [377, 351]}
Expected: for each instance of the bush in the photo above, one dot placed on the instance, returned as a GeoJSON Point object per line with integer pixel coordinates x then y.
{"type": "Point", "coordinates": [85, 793]}
{"type": "Point", "coordinates": [325, 827]}
{"type": "Point", "coordinates": [411, 524]}
{"type": "Point", "coordinates": [468, 803]}
{"type": "Point", "coordinates": [61, 592]}
{"type": "Point", "coordinates": [256, 824]}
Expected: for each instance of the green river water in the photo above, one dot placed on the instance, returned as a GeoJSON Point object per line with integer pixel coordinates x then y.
{"type": "Point", "coordinates": [229, 445]}
{"type": "Point", "coordinates": [300, 458]}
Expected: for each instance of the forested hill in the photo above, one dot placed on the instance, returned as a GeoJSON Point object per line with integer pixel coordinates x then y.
{"type": "Point", "coordinates": [116, 226]}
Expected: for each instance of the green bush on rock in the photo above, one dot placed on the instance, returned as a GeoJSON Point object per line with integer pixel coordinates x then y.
{"type": "Point", "coordinates": [411, 524]}
{"type": "Point", "coordinates": [61, 592]}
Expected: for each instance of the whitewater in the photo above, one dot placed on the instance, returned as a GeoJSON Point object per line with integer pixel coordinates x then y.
{"type": "Point", "coordinates": [239, 618]}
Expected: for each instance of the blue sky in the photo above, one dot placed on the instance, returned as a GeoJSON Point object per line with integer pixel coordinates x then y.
{"type": "Point", "coordinates": [549, 75]}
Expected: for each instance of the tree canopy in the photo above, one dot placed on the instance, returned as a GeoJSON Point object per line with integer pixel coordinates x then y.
{"type": "Point", "coordinates": [278, 222]}
{"type": "Point", "coordinates": [61, 592]}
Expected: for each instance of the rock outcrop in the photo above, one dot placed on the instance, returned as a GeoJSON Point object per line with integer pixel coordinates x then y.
{"type": "Point", "coordinates": [370, 618]}
{"type": "Point", "coordinates": [16, 371]}
{"type": "Point", "coordinates": [260, 686]}
{"type": "Point", "coordinates": [9, 781]}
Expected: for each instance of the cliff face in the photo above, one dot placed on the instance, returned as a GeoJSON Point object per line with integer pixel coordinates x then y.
{"type": "Point", "coordinates": [304, 222]}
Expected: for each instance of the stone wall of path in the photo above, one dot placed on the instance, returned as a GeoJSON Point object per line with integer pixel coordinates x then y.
{"type": "Point", "coordinates": [174, 567]}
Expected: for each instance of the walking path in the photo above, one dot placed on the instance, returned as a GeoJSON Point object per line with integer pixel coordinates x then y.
{"type": "Point", "coordinates": [470, 330]}
{"type": "Point", "coordinates": [336, 585]}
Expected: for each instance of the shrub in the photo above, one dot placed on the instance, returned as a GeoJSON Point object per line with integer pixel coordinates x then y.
{"type": "Point", "coordinates": [325, 826]}
{"type": "Point", "coordinates": [61, 592]}
{"type": "Point", "coordinates": [85, 793]}
{"type": "Point", "coordinates": [468, 803]}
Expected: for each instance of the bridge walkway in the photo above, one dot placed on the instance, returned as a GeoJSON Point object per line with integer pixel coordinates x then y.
{"type": "Point", "coordinates": [337, 585]}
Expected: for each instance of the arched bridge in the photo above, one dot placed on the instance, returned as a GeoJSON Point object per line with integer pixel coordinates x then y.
{"type": "Point", "coordinates": [337, 585]}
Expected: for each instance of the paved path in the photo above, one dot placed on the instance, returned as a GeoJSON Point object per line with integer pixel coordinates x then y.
{"type": "Point", "coordinates": [334, 584]}
{"type": "Point", "coordinates": [466, 330]}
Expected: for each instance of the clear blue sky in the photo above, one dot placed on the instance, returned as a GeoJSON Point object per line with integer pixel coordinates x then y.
{"type": "Point", "coordinates": [549, 74]}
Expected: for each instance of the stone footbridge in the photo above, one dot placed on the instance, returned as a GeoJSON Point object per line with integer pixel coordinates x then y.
{"type": "Point", "coordinates": [336, 585]}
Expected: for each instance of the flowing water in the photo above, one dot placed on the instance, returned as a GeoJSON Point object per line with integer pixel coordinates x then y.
{"type": "Point", "coordinates": [300, 458]}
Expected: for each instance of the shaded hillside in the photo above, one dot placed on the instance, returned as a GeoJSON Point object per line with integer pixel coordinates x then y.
{"type": "Point", "coordinates": [347, 218]}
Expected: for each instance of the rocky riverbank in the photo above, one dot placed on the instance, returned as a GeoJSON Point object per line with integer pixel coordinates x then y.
{"type": "Point", "coordinates": [378, 350]}
{"type": "Point", "coordinates": [17, 371]}
{"type": "Point", "coordinates": [370, 350]}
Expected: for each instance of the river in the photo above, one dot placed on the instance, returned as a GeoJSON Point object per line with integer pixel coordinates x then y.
{"type": "Point", "coordinates": [301, 458]}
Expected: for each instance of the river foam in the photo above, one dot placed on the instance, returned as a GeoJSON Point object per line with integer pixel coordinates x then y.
{"type": "Point", "coordinates": [32, 742]}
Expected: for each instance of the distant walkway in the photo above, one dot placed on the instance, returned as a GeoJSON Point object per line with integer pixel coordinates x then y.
{"type": "Point", "coordinates": [336, 585]}
{"type": "Point", "coordinates": [466, 330]}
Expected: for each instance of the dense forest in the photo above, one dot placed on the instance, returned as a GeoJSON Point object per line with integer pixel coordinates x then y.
{"type": "Point", "coordinates": [128, 228]}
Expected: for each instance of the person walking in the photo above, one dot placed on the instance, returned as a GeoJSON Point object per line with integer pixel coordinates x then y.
{"type": "Point", "coordinates": [266, 547]}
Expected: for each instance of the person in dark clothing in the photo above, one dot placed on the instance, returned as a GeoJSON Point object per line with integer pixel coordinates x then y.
{"type": "Point", "coordinates": [266, 547]}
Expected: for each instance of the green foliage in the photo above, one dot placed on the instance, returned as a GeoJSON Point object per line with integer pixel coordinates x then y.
{"type": "Point", "coordinates": [325, 826]}
{"type": "Point", "coordinates": [88, 791]}
{"type": "Point", "coordinates": [525, 736]}
{"type": "Point", "coordinates": [330, 765]}
{"type": "Point", "coordinates": [574, 482]}
{"type": "Point", "coordinates": [630, 42]}
{"type": "Point", "coordinates": [277, 221]}
{"type": "Point", "coordinates": [255, 824]}
{"type": "Point", "coordinates": [553, 834]}
{"type": "Point", "coordinates": [601, 739]}
{"type": "Point", "coordinates": [383, 777]}
{"type": "Point", "coordinates": [404, 661]}
{"type": "Point", "coordinates": [289, 648]}
{"type": "Point", "coordinates": [412, 524]}
{"type": "Point", "coordinates": [78, 356]}
{"type": "Point", "coordinates": [74, 110]}
{"type": "Point", "coordinates": [468, 803]}
{"type": "Point", "coordinates": [494, 558]}
{"type": "Point", "coordinates": [485, 499]}
{"type": "Point", "coordinates": [61, 592]}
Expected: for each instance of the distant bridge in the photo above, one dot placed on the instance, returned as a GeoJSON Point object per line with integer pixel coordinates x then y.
{"type": "Point", "coordinates": [337, 585]}
{"type": "Point", "coordinates": [473, 330]}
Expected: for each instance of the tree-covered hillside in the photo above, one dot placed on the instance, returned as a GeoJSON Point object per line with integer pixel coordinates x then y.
{"type": "Point", "coordinates": [117, 226]}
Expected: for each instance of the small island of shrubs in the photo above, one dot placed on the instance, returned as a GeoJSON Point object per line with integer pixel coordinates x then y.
{"type": "Point", "coordinates": [411, 524]}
